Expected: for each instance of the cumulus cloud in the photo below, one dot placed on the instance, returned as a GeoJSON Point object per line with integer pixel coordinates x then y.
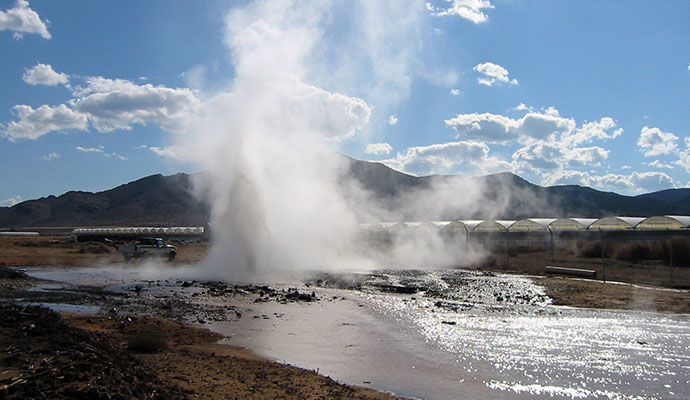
{"type": "Point", "coordinates": [455, 92]}
{"type": "Point", "coordinates": [552, 145]}
{"type": "Point", "coordinates": [112, 104]}
{"type": "Point", "coordinates": [602, 129]}
{"type": "Point", "coordinates": [471, 10]}
{"type": "Point", "coordinates": [22, 19]}
{"type": "Point", "coordinates": [44, 74]}
{"type": "Point", "coordinates": [660, 165]}
{"type": "Point", "coordinates": [655, 142]}
{"type": "Point", "coordinates": [501, 129]}
{"type": "Point", "coordinates": [105, 104]}
{"type": "Point", "coordinates": [635, 183]}
{"type": "Point", "coordinates": [523, 107]}
{"type": "Point", "coordinates": [392, 120]}
{"type": "Point", "coordinates": [493, 73]}
{"type": "Point", "coordinates": [378, 148]}
{"type": "Point", "coordinates": [11, 201]}
{"type": "Point", "coordinates": [50, 156]}
{"type": "Point", "coordinates": [34, 123]}
{"type": "Point", "coordinates": [469, 157]}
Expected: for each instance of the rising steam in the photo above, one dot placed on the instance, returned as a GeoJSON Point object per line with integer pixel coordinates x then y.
{"type": "Point", "coordinates": [279, 191]}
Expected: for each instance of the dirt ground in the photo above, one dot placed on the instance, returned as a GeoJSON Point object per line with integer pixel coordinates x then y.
{"type": "Point", "coordinates": [56, 250]}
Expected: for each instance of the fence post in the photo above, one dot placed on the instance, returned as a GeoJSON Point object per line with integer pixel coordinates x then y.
{"type": "Point", "coordinates": [670, 251]}
{"type": "Point", "coordinates": [551, 231]}
{"type": "Point", "coordinates": [603, 263]}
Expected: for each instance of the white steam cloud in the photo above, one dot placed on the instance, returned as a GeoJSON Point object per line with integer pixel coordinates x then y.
{"type": "Point", "coordinates": [280, 194]}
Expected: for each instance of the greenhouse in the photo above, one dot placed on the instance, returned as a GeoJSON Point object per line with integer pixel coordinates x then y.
{"type": "Point", "coordinates": [615, 223]}
{"type": "Point", "coordinates": [665, 222]}
{"type": "Point", "coordinates": [532, 224]}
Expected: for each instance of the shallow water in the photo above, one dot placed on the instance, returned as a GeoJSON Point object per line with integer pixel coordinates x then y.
{"type": "Point", "coordinates": [460, 335]}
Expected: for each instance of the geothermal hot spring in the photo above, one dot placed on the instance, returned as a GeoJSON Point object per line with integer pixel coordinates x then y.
{"type": "Point", "coordinates": [455, 334]}
{"type": "Point", "coordinates": [285, 209]}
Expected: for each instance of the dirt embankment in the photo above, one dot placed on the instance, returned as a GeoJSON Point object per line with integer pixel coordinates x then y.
{"type": "Point", "coordinates": [123, 357]}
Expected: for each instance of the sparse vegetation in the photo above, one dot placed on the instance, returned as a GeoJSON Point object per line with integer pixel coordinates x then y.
{"type": "Point", "coordinates": [676, 250]}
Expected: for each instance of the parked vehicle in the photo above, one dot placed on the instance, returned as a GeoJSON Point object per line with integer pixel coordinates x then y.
{"type": "Point", "coordinates": [147, 247]}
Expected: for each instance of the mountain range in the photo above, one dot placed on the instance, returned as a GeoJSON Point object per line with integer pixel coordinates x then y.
{"type": "Point", "coordinates": [159, 200]}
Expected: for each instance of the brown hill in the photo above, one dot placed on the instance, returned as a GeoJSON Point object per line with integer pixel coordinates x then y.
{"type": "Point", "coordinates": [167, 201]}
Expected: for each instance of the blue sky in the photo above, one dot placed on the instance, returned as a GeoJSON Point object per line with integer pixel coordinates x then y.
{"type": "Point", "coordinates": [591, 93]}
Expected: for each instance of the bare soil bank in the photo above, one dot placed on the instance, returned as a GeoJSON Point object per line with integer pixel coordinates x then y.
{"type": "Point", "coordinates": [46, 355]}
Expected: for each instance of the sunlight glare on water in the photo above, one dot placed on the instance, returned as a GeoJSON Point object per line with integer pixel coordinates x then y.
{"type": "Point", "coordinates": [534, 348]}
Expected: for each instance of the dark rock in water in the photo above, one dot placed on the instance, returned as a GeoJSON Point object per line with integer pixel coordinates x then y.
{"type": "Point", "coordinates": [398, 289]}
{"type": "Point", "coordinates": [297, 296]}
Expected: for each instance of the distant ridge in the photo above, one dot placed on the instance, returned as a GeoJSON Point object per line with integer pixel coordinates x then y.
{"type": "Point", "coordinates": [159, 200]}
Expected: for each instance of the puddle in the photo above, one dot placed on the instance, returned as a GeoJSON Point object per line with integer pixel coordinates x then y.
{"type": "Point", "coordinates": [66, 308]}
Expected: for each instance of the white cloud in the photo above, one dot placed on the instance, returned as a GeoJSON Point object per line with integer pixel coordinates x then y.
{"type": "Point", "coordinates": [501, 129]}
{"type": "Point", "coordinates": [112, 104]}
{"type": "Point", "coordinates": [660, 165]}
{"type": "Point", "coordinates": [392, 120]}
{"type": "Point", "coordinates": [602, 129]}
{"type": "Point", "coordinates": [684, 160]}
{"type": "Point", "coordinates": [539, 156]}
{"type": "Point", "coordinates": [11, 201]}
{"type": "Point", "coordinates": [585, 156]}
{"type": "Point", "coordinates": [654, 142]}
{"type": "Point", "coordinates": [551, 144]}
{"type": "Point", "coordinates": [467, 9]}
{"type": "Point", "coordinates": [43, 74]}
{"type": "Point", "coordinates": [493, 73]}
{"type": "Point", "coordinates": [98, 149]}
{"type": "Point", "coordinates": [174, 152]}
{"type": "Point", "coordinates": [108, 105]}
{"type": "Point", "coordinates": [33, 124]}
{"type": "Point", "coordinates": [523, 107]}
{"type": "Point", "coordinates": [635, 183]}
{"type": "Point", "coordinates": [378, 148]}
{"type": "Point", "coordinates": [455, 92]}
{"type": "Point", "coordinates": [22, 19]}
{"type": "Point", "coordinates": [468, 157]}
{"type": "Point", "coordinates": [50, 156]}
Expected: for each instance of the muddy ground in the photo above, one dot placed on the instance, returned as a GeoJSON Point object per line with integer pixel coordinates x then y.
{"type": "Point", "coordinates": [120, 354]}
{"type": "Point", "coordinates": [114, 355]}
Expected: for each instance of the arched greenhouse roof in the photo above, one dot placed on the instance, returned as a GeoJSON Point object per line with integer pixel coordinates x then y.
{"type": "Point", "coordinates": [665, 222]}
{"type": "Point", "coordinates": [615, 223]}
{"type": "Point", "coordinates": [490, 225]}
{"type": "Point", "coordinates": [572, 224]}
{"type": "Point", "coordinates": [441, 224]}
{"type": "Point", "coordinates": [532, 224]}
{"type": "Point", "coordinates": [457, 226]}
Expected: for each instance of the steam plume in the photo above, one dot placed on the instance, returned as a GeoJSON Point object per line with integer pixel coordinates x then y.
{"type": "Point", "coordinates": [279, 192]}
